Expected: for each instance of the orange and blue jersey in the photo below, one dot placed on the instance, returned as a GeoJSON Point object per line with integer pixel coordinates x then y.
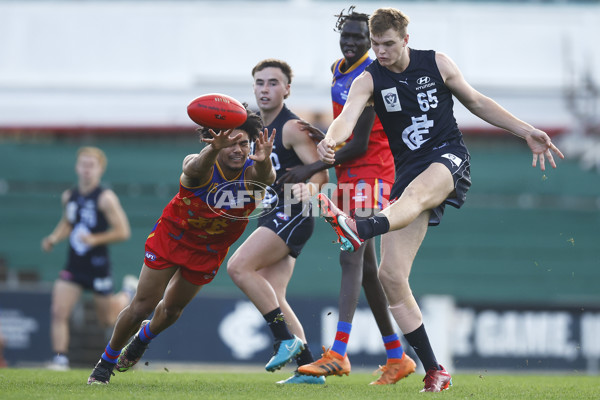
{"type": "Point", "coordinates": [377, 162]}
{"type": "Point", "coordinates": [212, 216]}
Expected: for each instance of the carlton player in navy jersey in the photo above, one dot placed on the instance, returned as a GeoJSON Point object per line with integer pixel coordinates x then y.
{"type": "Point", "coordinates": [412, 91]}
{"type": "Point", "coordinates": [363, 168]}
{"type": "Point", "coordinates": [263, 265]}
{"type": "Point", "coordinates": [92, 219]}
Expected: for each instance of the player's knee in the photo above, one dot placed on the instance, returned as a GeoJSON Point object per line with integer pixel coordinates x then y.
{"type": "Point", "coordinates": [233, 271]}
{"type": "Point", "coordinates": [393, 280]}
{"type": "Point", "coordinates": [140, 308]}
{"type": "Point", "coordinates": [236, 268]}
{"type": "Point", "coordinates": [172, 312]}
{"type": "Point", "coordinates": [58, 313]}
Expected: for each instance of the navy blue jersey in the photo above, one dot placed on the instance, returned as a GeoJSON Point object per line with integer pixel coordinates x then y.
{"type": "Point", "coordinates": [415, 107]}
{"type": "Point", "coordinates": [281, 158]}
{"type": "Point", "coordinates": [290, 220]}
{"type": "Point", "coordinates": [83, 214]}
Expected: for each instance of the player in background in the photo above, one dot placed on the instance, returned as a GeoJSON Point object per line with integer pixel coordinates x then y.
{"type": "Point", "coordinates": [263, 265]}
{"type": "Point", "coordinates": [412, 94]}
{"type": "Point", "coordinates": [92, 219]}
{"type": "Point", "coordinates": [365, 176]}
{"type": "Point", "coordinates": [191, 238]}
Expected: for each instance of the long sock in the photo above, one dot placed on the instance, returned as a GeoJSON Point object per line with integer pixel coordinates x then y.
{"type": "Point", "coordinates": [277, 324]}
{"type": "Point", "coordinates": [393, 347]}
{"type": "Point", "coordinates": [110, 355]}
{"type": "Point", "coordinates": [305, 356]}
{"type": "Point", "coordinates": [145, 335]}
{"type": "Point", "coordinates": [340, 344]}
{"type": "Point", "coordinates": [373, 226]}
{"type": "Point", "coordinates": [419, 341]}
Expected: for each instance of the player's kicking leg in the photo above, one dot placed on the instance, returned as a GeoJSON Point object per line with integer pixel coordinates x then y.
{"type": "Point", "coordinates": [342, 224]}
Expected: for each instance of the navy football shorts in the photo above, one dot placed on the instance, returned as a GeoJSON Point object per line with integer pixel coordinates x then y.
{"type": "Point", "coordinates": [294, 227]}
{"type": "Point", "coordinates": [455, 156]}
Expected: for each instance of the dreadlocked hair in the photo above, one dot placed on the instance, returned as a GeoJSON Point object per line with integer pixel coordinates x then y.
{"type": "Point", "coordinates": [352, 16]}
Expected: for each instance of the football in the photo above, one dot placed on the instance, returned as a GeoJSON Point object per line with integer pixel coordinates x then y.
{"type": "Point", "coordinates": [217, 111]}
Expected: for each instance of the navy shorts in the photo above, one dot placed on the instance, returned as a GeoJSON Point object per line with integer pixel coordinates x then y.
{"type": "Point", "coordinates": [294, 227]}
{"type": "Point", "coordinates": [455, 156]}
{"type": "Point", "coordinates": [98, 284]}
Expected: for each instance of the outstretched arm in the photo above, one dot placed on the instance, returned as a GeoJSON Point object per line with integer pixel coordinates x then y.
{"type": "Point", "coordinates": [488, 110]}
{"type": "Point", "coordinates": [351, 150]}
{"type": "Point", "coordinates": [295, 138]}
{"type": "Point", "coordinates": [340, 129]}
{"type": "Point", "coordinates": [197, 168]}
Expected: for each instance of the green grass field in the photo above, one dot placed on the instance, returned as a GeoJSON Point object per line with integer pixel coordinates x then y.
{"type": "Point", "coordinates": [162, 385]}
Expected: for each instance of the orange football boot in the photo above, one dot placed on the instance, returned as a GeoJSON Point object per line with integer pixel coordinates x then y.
{"type": "Point", "coordinates": [394, 370]}
{"type": "Point", "coordinates": [331, 363]}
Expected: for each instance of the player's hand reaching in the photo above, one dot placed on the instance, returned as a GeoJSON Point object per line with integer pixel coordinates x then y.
{"type": "Point", "coordinates": [263, 146]}
{"type": "Point", "coordinates": [299, 173]}
{"type": "Point", "coordinates": [326, 150]}
{"type": "Point", "coordinates": [542, 147]}
{"type": "Point", "coordinates": [222, 139]}
{"type": "Point", "coordinates": [314, 133]}
{"type": "Point", "coordinates": [303, 191]}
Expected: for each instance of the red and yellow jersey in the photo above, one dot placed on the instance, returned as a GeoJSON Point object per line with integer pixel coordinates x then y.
{"type": "Point", "coordinates": [377, 162]}
{"type": "Point", "coordinates": [210, 217]}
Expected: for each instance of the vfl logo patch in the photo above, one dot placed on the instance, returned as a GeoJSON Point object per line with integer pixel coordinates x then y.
{"type": "Point", "coordinates": [283, 216]}
{"type": "Point", "coordinates": [455, 160]}
{"type": "Point", "coordinates": [391, 100]}
{"type": "Point", "coordinates": [150, 256]}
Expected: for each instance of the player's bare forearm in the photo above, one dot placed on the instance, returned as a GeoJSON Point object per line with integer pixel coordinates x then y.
{"type": "Point", "coordinates": [120, 229]}
{"type": "Point", "coordinates": [538, 141]}
{"type": "Point", "coordinates": [264, 172]}
{"type": "Point", "coordinates": [61, 232]}
{"type": "Point", "coordinates": [339, 130]}
{"type": "Point", "coordinates": [195, 164]}
{"type": "Point", "coordinates": [198, 166]}
{"type": "Point", "coordinates": [301, 173]}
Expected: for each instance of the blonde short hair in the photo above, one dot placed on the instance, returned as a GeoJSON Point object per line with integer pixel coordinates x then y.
{"type": "Point", "coordinates": [94, 152]}
{"type": "Point", "coordinates": [385, 18]}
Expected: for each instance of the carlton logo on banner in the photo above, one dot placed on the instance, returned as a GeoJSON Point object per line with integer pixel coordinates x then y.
{"type": "Point", "coordinates": [230, 330]}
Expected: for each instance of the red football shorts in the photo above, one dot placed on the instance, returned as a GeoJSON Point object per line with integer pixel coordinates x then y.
{"type": "Point", "coordinates": [355, 194]}
{"type": "Point", "coordinates": [198, 266]}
